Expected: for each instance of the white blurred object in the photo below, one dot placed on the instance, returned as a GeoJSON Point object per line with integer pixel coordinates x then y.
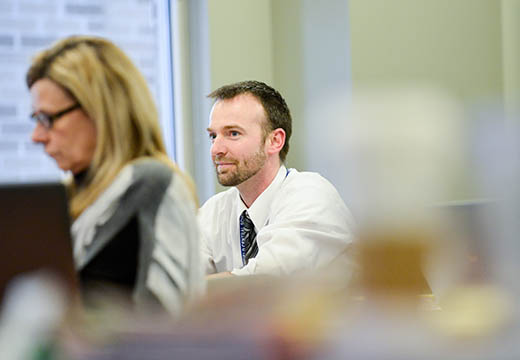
{"type": "Point", "coordinates": [402, 149]}
{"type": "Point", "coordinates": [33, 308]}
{"type": "Point", "coordinates": [496, 165]}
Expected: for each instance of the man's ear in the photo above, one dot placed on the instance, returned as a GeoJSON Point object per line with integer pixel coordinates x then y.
{"type": "Point", "coordinates": [275, 141]}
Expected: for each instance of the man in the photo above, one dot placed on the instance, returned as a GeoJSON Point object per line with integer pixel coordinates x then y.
{"type": "Point", "coordinates": [273, 220]}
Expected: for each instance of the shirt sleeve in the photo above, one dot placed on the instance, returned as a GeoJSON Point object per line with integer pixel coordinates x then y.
{"type": "Point", "coordinates": [309, 226]}
{"type": "Point", "coordinates": [206, 256]}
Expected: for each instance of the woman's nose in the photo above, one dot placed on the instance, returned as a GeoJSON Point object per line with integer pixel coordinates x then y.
{"type": "Point", "coordinates": [39, 134]}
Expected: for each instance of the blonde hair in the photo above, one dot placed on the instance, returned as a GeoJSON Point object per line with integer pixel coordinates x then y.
{"type": "Point", "coordinates": [114, 94]}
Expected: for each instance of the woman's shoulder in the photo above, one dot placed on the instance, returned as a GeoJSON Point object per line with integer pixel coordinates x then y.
{"type": "Point", "coordinates": [144, 177]}
{"type": "Point", "coordinates": [157, 178]}
{"type": "Point", "coordinates": [151, 170]}
{"type": "Point", "coordinates": [155, 173]}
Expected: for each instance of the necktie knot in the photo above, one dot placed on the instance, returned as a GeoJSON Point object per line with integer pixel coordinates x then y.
{"type": "Point", "coordinates": [248, 243]}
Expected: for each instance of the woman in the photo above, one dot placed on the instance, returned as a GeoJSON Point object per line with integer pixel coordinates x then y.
{"type": "Point", "coordinates": [134, 223]}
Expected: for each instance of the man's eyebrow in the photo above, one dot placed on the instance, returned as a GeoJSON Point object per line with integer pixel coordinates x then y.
{"type": "Point", "coordinates": [227, 127]}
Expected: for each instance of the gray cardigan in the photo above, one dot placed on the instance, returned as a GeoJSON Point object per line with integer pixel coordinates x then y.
{"type": "Point", "coordinates": [147, 208]}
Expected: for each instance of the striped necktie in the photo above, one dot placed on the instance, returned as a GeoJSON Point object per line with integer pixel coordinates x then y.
{"type": "Point", "coordinates": [247, 238]}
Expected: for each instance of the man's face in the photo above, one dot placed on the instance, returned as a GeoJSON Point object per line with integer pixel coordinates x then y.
{"type": "Point", "coordinates": [237, 137]}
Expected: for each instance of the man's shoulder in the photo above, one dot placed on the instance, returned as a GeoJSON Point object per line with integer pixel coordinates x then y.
{"type": "Point", "coordinates": [305, 180]}
{"type": "Point", "coordinates": [309, 189]}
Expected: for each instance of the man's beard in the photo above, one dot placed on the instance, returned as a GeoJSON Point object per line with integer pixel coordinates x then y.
{"type": "Point", "coordinates": [243, 170]}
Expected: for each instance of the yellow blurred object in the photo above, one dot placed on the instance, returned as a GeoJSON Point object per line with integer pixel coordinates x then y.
{"type": "Point", "coordinates": [391, 261]}
{"type": "Point", "coordinates": [308, 308]}
{"type": "Point", "coordinates": [472, 311]}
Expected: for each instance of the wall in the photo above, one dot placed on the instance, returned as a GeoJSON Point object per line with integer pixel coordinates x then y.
{"type": "Point", "coordinates": [240, 35]}
{"type": "Point", "coordinates": [511, 55]}
{"type": "Point", "coordinates": [455, 45]}
{"type": "Point", "coordinates": [312, 51]}
{"type": "Point", "coordinates": [312, 65]}
{"type": "Point", "coordinates": [298, 46]}
{"type": "Point", "coordinates": [288, 69]}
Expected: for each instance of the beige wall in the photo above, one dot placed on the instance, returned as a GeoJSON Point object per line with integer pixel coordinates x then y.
{"type": "Point", "coordinates": [240, 35]}
{"type": "Point", "coordinates": [511, 52]}
{"type": "Point", "coordinates": [288, 70]}
{"type": "Point", "coordinates": [266, 40]}
{"type": "Point", "coordinates": [454, 44]}
{"type": "Point", "coordinates": [240, 40]}
{"type": "Point", "coordinates": [261, 40]}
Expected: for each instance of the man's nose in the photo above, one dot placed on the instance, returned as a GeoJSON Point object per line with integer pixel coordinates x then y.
{"type": "Point", "coordinates": [218, 147]}
{"type": "Point", "coordinates": [39, 134]}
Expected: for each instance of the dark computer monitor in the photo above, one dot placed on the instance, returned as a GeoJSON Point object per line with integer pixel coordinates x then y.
{"type": "Point", "coordinates": [35, 232]}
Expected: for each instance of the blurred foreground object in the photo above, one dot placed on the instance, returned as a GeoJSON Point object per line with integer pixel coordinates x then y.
{"type": "Point", "coordinates": [412, 241]}
{"type": "Point", "coordinates": [32, 312]}
{"type": "Point", "coordinates": [405, 151]}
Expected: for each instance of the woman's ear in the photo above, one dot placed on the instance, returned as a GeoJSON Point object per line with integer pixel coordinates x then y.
{"type": "Point", "coordinates": [275, 141]}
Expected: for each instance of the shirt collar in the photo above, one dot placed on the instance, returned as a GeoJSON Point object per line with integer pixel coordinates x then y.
{"type": "Point", "coordinates": [259, 210]}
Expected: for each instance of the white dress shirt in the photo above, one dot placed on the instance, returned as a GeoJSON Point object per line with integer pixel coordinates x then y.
{"type": "Point", "coordinates": [300, 220]}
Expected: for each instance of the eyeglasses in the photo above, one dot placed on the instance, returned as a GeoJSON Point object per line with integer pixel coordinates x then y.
{"type": "Point", "coordinates": [47, 120]}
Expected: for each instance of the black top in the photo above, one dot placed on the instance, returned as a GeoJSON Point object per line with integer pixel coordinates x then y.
{"type": "Point", "coordinates": [115, 266]}
{"type": "Point", "coordinates": [80, 179]}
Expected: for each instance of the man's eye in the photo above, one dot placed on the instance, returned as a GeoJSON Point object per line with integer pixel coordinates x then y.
{"type": "Point", "coordinates": [234, 133]}
{"type": "Point", "coordinates": [212, 136]}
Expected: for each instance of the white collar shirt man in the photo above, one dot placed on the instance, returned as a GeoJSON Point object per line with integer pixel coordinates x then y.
{"type": "Point", "coordinates": [300, 220]}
